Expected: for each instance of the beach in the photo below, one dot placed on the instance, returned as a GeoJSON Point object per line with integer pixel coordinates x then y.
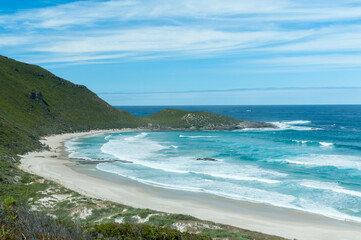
{"type": "Point", "coordinates": [56, 165]}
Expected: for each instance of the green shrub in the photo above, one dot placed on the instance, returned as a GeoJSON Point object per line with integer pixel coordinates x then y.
{"type": "Point", "coordinates": [10, 201]}
{"type": "Point", "coordinates": [138, 231]}
{"type": "Point", "coordinates": [220, 233]}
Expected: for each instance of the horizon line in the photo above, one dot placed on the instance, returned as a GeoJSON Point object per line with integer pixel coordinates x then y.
{"type": "Point", "coordinates": [230, 90]}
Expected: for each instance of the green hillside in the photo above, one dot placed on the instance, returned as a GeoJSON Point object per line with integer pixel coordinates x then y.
{"type": "Point", "coordinates": [171, 119]}
{"type": "Point", "coordinates": [34, 102]}
{"type": "Point", "coordinates": [178, 119]}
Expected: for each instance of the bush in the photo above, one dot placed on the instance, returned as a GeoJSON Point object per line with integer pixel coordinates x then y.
{"type": "Point", "coordinates": [138, 231]}
{"type": "Point", "coordinates": [18, 222]}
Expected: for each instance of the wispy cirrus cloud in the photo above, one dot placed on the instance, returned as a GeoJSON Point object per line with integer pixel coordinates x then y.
{"type": "Point", "coordinates": [302, 32]}
{"type": "Point", "coordinates": [166, 39]}
{"type": "Point", "coordinates": [91, 12]}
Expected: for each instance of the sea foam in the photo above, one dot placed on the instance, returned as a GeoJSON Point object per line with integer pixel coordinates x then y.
{"type": "Point", "coordinates": [204, 136]}
{"type": "Point", "coordinates": [319, 160]}
{"type": "Point", "coordinates": [305, 142]}
{"type": "Point", "coordinates": [333, 187]}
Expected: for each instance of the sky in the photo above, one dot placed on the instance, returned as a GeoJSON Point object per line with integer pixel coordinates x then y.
{"type": "Point", "coordinates": [193, 52]}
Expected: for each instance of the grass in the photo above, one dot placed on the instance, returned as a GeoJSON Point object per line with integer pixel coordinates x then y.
{"type": "Point", "coordinates": [168, 220]}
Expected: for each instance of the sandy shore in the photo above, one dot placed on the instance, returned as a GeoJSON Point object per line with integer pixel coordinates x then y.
{"type": "Point", "coordinates": [54, 165]}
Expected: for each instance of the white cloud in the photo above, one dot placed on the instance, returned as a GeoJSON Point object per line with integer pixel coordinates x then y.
{"type": "Point", "coordinates": [166, 39]}
{"type": "Point", "coordinates": [85, 13]}
{"type": "Point", "coordinates": [79, 58]}
{"type": "Point", "coordinates": [12, 40]}
{"type": "Point", "coordinates": [94, 30]}
{"type": "Point", "coordinates": [90, 12]}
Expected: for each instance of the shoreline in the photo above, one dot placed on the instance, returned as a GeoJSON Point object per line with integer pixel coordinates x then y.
{"type": "Point", "coordinates": [247, 215]}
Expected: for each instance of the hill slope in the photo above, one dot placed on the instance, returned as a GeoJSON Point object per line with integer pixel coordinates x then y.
{"type": "Point", "coordinates": [34, 102]}
{"type": "Point", "coordinates": [170, 119]}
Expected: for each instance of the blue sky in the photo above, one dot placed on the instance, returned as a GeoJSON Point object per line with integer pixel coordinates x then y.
{"type": "Point", "coordinates": [188, 52]}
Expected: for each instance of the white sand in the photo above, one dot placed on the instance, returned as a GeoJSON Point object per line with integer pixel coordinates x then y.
{"type": "Point", "coordinates": [298, 225]}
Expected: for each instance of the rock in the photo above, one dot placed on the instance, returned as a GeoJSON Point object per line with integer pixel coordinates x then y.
{"type": "Point", "coordinates": [248, 124]}
{"type": "Point", "coordinates": [207, 159]}
{"type": "Point", "coordinates": [36, 95]}
{"type": "Point", "coordinates": [17, 178]}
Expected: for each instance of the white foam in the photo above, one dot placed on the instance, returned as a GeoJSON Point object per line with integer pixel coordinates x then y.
{"type": "Point", "coordinates": [241, 178]}
{"type": "Point", "coordinates": [294, 125]}
{"type": "Point", "coordinates": [141, 150]}
{"type": "Point", "coordinates": [134, 138]}
{"type": "Point", "coordinates": [72, 147]}
{"type": "Point", "coordinates": [256, 129]}
{"type": "Point", "coordinates": [258, 196]}
{"type": "Point", "coordinates": [107, 137]}
{"type": "Point", "coordinates": [326, 144]}
{"type": "Point", "coordinates": [132, 148]}
{"type": "Point", "coordinates": [318, 208]}
{"type": "Point", "coordinates": [320, 160]}
{"type": "Point", "coordinates": [297, 122]}
{"type": "Point", "coordinates": [240, 192]}
{"type": "Point", "coordinates": [301, 141]}
{"type": "Point", "coordinates": [106, 167]}
{"type": "Point", "coordinates": [206, 136]}
{"type": "Point", "coordinates": [334, 187]}
{"type": "Point", "coordinates": [145, 152]}
{"type": "Point", "coordinates": [170, 168]}
{"type": "Point", "coordinates": [304, 142]}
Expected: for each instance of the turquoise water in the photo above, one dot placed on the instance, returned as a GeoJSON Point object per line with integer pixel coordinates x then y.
{"type": "Point", "coordinates": [311, 163]}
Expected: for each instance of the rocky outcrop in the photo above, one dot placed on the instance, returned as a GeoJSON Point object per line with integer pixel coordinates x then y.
{"type": "Point", "coordinates": [174, 119]}
{"type": "Point", "coordinates": [207, 159]}
{"type": "Point", "coordinates": [36, 95]}
{"type": "Point", "coordinates": [248, 124]}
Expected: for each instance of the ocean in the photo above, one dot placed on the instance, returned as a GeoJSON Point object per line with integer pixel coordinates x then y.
{"type": "Point", "coordinates": [311, 163]}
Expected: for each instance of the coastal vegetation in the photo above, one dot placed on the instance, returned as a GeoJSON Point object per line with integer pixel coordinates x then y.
{"type": "Point", "coordinates": [178, 119]}
{"type": "Point", "coordinates": [35, 103]}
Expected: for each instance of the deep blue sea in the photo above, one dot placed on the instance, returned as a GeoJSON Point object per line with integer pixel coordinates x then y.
{"type": "Point", "coordinates": [311, 163]}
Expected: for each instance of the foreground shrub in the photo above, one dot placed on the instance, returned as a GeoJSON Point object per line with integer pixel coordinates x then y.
{"type": "Point", "coordinates": [18, 222]}
{"type": "Point", "coordinates": [138, 231]}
